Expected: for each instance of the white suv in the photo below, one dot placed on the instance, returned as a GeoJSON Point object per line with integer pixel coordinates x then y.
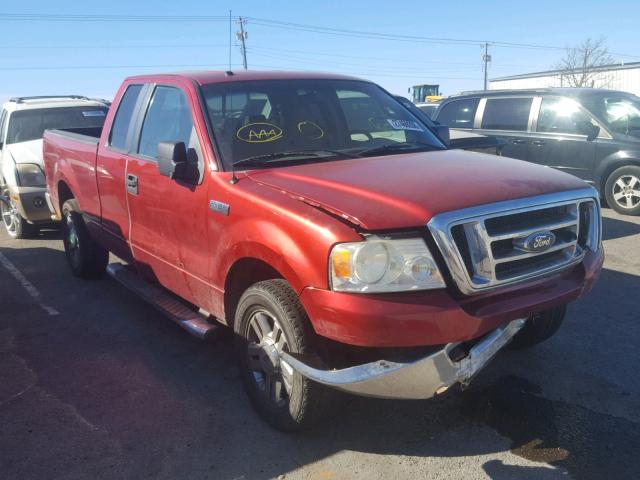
{"type": "Point", "coordinates": [23, 121]}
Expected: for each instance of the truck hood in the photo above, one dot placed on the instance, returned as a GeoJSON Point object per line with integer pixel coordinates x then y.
{"type": "Point", "coordinates": [401, 191]}
{"type": "Point", "coordinates": [26, 152]}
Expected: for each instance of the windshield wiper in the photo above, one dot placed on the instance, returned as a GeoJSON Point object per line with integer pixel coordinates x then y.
{"type": "Point", "coordinates": [290, 155]}
{"type": "Point", "coordinates": [397, 147]}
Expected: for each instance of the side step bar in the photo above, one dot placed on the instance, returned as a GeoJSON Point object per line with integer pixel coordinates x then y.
{"type": "Point", "coordinates": [193, 322]}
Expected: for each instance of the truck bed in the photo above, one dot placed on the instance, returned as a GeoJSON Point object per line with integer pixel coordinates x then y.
{"type": "Point", "coordinates": [83, 134]}
{"type": "Point", "coordinates": [70, 156]}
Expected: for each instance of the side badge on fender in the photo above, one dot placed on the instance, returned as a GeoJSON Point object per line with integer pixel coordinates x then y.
{"type": "Point", "coordinates": [219, 207]}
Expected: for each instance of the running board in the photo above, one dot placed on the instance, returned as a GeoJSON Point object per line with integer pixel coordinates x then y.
{"type": "Point", "coordinates": [193, 322]}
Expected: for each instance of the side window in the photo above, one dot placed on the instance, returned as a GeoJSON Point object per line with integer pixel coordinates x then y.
{"type": "Point", "coordinates": [3, 121]}
{"type": "Point", "coordinates": [459, 113]}
{"type": "Point", "coordinates": [507, 114]}
{"type": "Point", "coordinates": [124, 115]}
{"type": "Point", "coordinates": [368, 118]}
{"type": "Point", "coordinates": [561, 115]}
{"type": "Point", "coordinates": [168, 119]}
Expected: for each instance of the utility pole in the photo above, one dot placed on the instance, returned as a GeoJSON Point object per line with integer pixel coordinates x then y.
{"type": "Point", "coordinates": [486, 58]}
{"type": "Point", "coordinates": [242, 36]}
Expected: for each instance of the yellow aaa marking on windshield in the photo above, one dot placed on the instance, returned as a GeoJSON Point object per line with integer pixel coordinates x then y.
{"type": "Point", "coordinates": [260, 132]}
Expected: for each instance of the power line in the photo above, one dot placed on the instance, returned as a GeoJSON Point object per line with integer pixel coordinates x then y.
{"type": "Point", "coordinates": [98, 67]}
{"type": "Point", "coordinates": [323, 62]}
{"type": "Point", "coordinates": [405, 38]}
{"type": "Point", "coordinates": [48, 17]}
{"type": "Point", "coordinates": [97, 47]}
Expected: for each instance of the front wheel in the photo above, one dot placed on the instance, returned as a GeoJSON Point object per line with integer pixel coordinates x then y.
{"type": "Point", "coordinates": [85, 257]}
{"type": "Point", "coordinates": [622, 190]}
{"type": "Point", "coordinates": [538, 328]}
{"type": "Point", "coordinates": [16, 226]}
{"type": "Point", "coordinates": [270, 319]}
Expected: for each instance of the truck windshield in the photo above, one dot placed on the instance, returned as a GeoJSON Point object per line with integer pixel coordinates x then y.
{"type": "Point", "coordinates": [619, 112]}
{"type": "Point", "coordinates": [26, 125]}
{"type": "Point", "coordinates": [268, 122]}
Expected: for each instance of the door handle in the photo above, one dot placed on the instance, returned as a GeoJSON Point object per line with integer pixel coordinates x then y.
{"type": "Point", "coordinates": [132, 184]}
{"type": "Point", "coordinates": [539, 143]}
{"type": "Point", "coordinates": [518, 141]}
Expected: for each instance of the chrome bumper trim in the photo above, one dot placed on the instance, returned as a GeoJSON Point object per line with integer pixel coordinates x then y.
{"type": "Point", "coordinates": [421, 379]}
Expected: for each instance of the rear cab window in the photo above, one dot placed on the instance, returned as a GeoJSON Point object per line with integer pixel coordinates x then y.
{"type": "Point", "coordinates": [459, 113]}
{"type": "Point", "coordinates": [507, 114]}
{"type": "Point", "coordinates": [27, 125]}
{"type": "Point", "coordinates": [123, 118]}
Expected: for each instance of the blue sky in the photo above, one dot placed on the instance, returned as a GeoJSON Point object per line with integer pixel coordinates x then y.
{"type": "Point", "coordinates": [32, 52]}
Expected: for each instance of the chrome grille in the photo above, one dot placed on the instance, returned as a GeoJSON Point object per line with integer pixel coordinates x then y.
{"type": "Point", "coordinates": [486, 247]}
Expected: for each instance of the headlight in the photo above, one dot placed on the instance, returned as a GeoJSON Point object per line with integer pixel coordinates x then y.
{"type": "Point", "coordinates": [30, 175]}
{"type": "Point", "coordinates": [381, 265]}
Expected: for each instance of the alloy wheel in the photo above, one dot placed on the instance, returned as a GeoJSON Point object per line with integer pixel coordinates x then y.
{"type": "Point", "coordinates": [73, 242]}
{"type": "Point", "coordinates": [10, 216]}
{"type": "Point", "coordinates": [626, 191]}
{"type": "Point", "coordinates": [272, 376]}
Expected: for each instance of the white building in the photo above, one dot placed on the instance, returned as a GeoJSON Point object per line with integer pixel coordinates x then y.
{"type": "Point", "coordinates": [625, 77]}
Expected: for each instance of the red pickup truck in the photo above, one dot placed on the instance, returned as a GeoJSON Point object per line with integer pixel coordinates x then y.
{"type": "Point", "coordinates": [336, 234]}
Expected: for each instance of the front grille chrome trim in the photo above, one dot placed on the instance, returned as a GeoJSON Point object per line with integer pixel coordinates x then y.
{"type": "Point", "coordinates": [478, 273]}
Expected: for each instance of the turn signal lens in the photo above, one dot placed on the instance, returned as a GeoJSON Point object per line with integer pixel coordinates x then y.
{"type": "Point", "coordinates": [341, 263]}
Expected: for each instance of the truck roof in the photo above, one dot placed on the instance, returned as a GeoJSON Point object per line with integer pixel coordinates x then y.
{"type": "Point", "coordinates": [204, 77]}
{"type": "Point", "coordinates": [567, 91]}
{"type": "Point", "coordinates": [50, 101]}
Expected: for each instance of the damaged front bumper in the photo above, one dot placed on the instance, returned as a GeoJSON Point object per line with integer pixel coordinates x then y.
{"type": "Point", "coordinates": [420, 379]}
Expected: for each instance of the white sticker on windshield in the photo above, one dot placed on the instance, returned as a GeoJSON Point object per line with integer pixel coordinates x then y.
{"type": "Point", "coordinates": [93, 113]}
{"type": "Point", "coordinates": [405, 124]}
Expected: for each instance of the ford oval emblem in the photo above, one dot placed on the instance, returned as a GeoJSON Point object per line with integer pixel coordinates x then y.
{"type": "Point", "coordinates": [536, 242]}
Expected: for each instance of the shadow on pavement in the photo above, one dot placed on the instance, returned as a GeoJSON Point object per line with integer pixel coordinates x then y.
{"type": "Point", "coordinates": [118, 391]}
{"type": "Point", "coordinates": [497, 470]}
{"type": "Point", "coordinates": [613, 228]}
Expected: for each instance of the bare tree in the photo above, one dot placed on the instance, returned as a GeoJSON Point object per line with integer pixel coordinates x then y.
{"type": "Point", "coordinates": [579, 65]}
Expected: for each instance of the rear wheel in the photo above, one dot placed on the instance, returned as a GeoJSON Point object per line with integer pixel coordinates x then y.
{"type": "Point", "coordinates": [86, 258]}
{"type": "Point", "coordinates": [539, 327]}
{"type": "Point", "coordinates": [622, 190]}
{"type": "Point", "coordinates": [16, 226]}
{"type": "Point", "coordinates": [269, 319]}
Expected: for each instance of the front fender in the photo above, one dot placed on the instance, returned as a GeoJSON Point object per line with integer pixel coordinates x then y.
{"type": "Point", "coordinates": [270, 243]}
{"type": "Point", "coordinates": [9, 170]}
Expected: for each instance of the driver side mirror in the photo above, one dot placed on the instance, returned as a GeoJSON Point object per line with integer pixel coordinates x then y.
{"type": "Point", "coordinates": [589, 129]}
{"type": "Point", "coordinates": [442, 132]}
{"type": "Point", "coordinates": [172, 160]}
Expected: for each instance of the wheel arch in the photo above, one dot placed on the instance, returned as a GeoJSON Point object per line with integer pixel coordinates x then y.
{"type": "Point", "coordinates": [243, 273]}
{"type": "Point", "coordinates": [612, 163]}
{"type": "Point", "coordinates": [64, 193]}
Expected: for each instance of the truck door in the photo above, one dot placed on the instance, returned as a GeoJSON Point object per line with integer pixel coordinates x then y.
{"type": "Point", "coordinates": [168, 232]}
{"type": "Point", "coordinates": [559, 140]}
{"type": "Point", "coordinates": [110, 173]}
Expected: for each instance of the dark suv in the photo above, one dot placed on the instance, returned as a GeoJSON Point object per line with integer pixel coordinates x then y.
{"type": "Point", "coordinates": [591, 133]}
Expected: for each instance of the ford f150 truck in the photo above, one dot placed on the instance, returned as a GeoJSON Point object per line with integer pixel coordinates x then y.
{"type": "Point", "coordinates": [333, 231]}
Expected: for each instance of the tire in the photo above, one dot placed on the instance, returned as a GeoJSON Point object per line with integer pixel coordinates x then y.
{"type": "Point", "coordinates": [297, 403]}
{"type": "Point", "coordinates": [85, 257]}
{"type": "Point", "coordinates": [15, 225]}
{"type": "Point", "coordinates": [539, 327]}
{"type": "Point", "coordinates": [622, 190]}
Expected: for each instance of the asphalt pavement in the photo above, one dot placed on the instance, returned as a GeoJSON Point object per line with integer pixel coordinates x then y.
{"type": "Point", "coordinates": [95, 384]}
